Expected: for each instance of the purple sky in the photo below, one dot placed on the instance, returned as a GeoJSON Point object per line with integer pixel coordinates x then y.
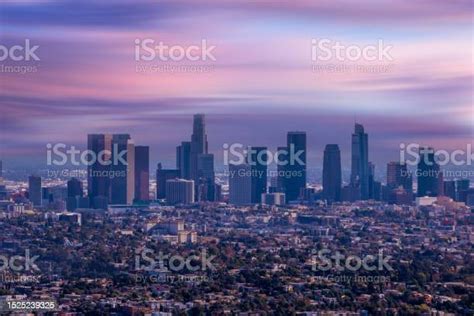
{"type": "Point", "coordinates": [260, 86]}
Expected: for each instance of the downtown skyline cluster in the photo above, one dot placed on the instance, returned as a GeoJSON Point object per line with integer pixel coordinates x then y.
{"type": "Point", "coordinates": [120, 173]}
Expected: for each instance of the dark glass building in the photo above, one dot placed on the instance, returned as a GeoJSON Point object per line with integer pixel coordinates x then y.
{"type": "Point", "coordinates": [198, 145]}
{"type": "Point", "coordinates": [296, 167]}
{"type": "Point", "coordinates": [161, 176]}
{"type": "Point", "coordinates": [258, 160]}
{"type": "Point", "coordinates": [428, 173]}
{"type": "Point", "coordinates": [360, 163]}
{"type": "Point", "coordinates": [332, 176]}
{"type": "Point", "coordinates": [142, 173]}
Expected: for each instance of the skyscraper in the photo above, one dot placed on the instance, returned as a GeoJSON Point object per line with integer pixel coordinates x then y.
{"type": "Point", "coordinates": [74, 194]}
{"type": "Point", "coordinates": [282, 161]}
{"type": "Point", "coordinates": [398, 176]}
{"type": "Point", "coordinates": [428, 173]}
{"type": "Point", "coordinates": [257, 159]}
{"type": "Point", "coordinates": [360, 163]}
{"type": "Point", "coordinates": [332, 176]}
{"type": "Point", "coordinates": [296, 167]}
{"type": "Point", "coordinates": [142, 173]}
{"type": "Point", "coordinates": [206, 177]}
{"type": "Point", "coordinates": [34, 190]}
{"type": "Point", "coordinates": [462, 187]}
{"type": "Point", "coordinates": [179, 191]}
{"type": "Point", "coordinates": [450, 189]}
{"type": "Point", "coordinates": [198, 144]}
{"type": "Point", "coordinates": [122, 184]}
{"type": "Point", "coordinates": [240, 184]}
{"type": "Point", "coordinates": [183, 159]}
{"type": "Point", "coordinates": [74, 187]}
{"type": "Point", "coordinates": [162, 175]}
{"type": "Point", "coordinates": [98, 181]}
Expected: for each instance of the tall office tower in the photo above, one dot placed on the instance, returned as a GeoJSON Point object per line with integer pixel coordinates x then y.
{"type": "Point", "coordinates": [332, 175]}
{"type": "Point", "coordinates": [371, 180]}
{"type": "Point", "coordinates": [282, 159]}
{"type": "Point", "coordinates": [162, 175]}
{"type": "Point", "coordinates": [74, 194]}
{"type": "Point", "coordinates": [296, 167]}
{"type": "Point", "coordinates": [258, 160]}
{"type": "Point", "coordinates": [462, 186]}
{"type": "Point", "coordinates": [122, 185]}
{"type": "Point", "coordinates": [360, 162]}
{"type": "Point", "coordinates": [240, 184]}
{"type": "Point", "coordinates": [428, 172]}
{"type": "Point", "coordinates": [198, 145]}
{"type": "Point", "coordinates": [74, 187]}
{"type": "Point", "coordinates": [179, 191]}
{"type": "Point", "coordinates": [206, 178]}
{"type": "Point", "coordinates": [142, 173]}
{"type": "Point", "coordinates": [183, 159]}
{"type": "Point", "coordinates": [1, 169]}
{"type": "Point", "coordinates": [450, 189]}
{"type": "Point", "coordinates": [34, 190]}
{"type": "Point", "coordinates": [98, 181]}
{"type": "Point", "coordinates": [217, 192]}
{"type": "Point", "coordinates": [398, 176]}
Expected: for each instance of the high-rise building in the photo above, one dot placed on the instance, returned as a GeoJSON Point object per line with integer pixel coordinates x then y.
{"type": "Point", "coordinates": [183, 159]}
{"type": "Point", "coordinates": [282, 161]}
{"type": "Point", "coordinates": [428, 173]}
{"type": "Point", "coordinates": [142, 173]}
{"type": "Point", "coordinates": [240, 184]}
{"type": "Point", "coordinates": [450, 189]}
{"type": "Point", "coordinates": [258, 160]}
{"type": "Point", "coordinates": [371, 180]}
{"type": "Point", "coordinates": [398, 176]}
{"type": "Point", "coordinates": [162, 175]}
{"type": "Point", "coordinates": [296, 167]}
{"type": "Point", "coordinates": [179, 191]}
{"type": "Point", "coordinates": [360, 163]}
{"type": "Point", "coordinates": [198, 144]}
{"type": "Point", "coordinates": [34, 190]}
{"type": "Point", "coordinates": [98, 181]}
{"type": "Point", "coordinates": [332, 176]}
{"type": "Point", "coordinates": [74, 187]}
{"type": "Point", "coordinates": [206, 177]}
{"type": "Point", "coordinates": [462, 186]}
{"type": "Point", "coordinates": [122, 184]}
{"type": "Point", "coordinates": [74, 194]}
